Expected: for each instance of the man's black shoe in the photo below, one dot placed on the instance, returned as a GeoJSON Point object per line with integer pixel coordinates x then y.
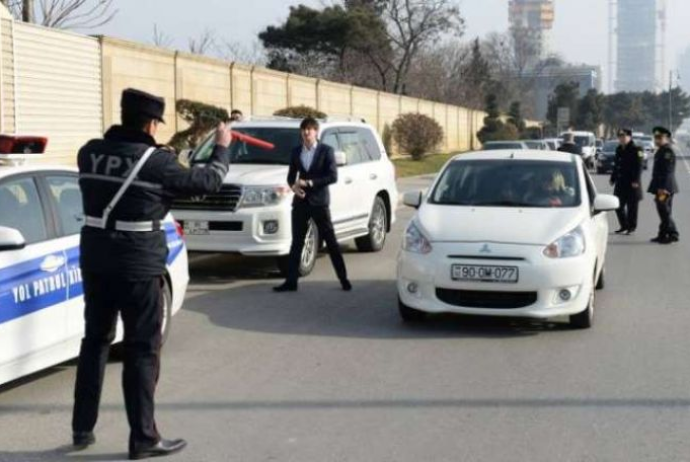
{"type": "Point", "coordinates": [674, 238]}
{"type": "Point", "coordinates": [657, 239]}
{"type": "Point", "coordinates": [82, 440]}
{"type": "Point", "coordinates": [287, 287]}
{"type": "Point", "coordinates": [161, 449]}
{"type": "Point", "coordinates": [621, 231]}
{"type": "Point", "coordinates": [630, 231]}
{"type": "Point", "coordinates": [666, 240]}
{"type": "Point", "coordinates": [347, 286]}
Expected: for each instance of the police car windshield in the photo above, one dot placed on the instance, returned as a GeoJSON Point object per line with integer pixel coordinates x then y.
{"type": "Point", "coordinates": [284, 139]}
{"type": "Point", "coordinates": [508, 183]}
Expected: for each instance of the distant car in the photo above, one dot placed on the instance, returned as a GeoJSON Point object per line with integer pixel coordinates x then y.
{"type": "Point", "coordinates": [500, 145]}
{"type": "Point", "coordinates": [538, 145]}
{"type": "Point", "coordinates": [251, 214]}
{"type": "Point", "coordinates": [587, 141]}
{"type": "Point", "coordinates": [41, 293]}
{"type": "Point", "coordinates": [507, 233]}
{"type": "Point", "coordinates": [606, 158]}
{"type": "Point", "coordinates": [554, 143]}
{"type": "Point", "coordinates": [647, 143]}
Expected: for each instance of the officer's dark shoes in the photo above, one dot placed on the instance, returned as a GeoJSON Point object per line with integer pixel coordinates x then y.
{"type": "Point", "coordinates": [82, 440]}
{"type": "Point", "coordinates": [656, 240]}
{"type": "Point", "coordinates": [666, 240]}
{"type": "Point", "coordinates": [161, 449]}
{"type": "Point", "coordinates": [630, 232]}
{"type": "Point", "coordinates": [674, 238]}
{"type": "Point", "coordinates": [347, 286]}
{"type": "Point", "coordinates": [621, 231]}
{"type": "Point", "coordinates": [287, 287]}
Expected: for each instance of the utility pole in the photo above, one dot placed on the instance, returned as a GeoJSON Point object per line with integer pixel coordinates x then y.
{"type": "Point", "coordinates": [28, 11]}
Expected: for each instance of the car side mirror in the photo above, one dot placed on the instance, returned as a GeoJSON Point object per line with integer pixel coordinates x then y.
{"type": "Point", "coordinates": [340, 158]}
{"type": "Point", "coordinates": [605, 203]}
{"type": "Point", "coordinates": [11, 239]}
{"type": "Point", "coordinates": [413, 199]}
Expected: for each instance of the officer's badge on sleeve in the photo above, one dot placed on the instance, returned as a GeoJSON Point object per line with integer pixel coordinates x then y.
{"type": "Point", "coordinates": [668, 156]}
{"type": "Point", "coordinates": [640, 154]}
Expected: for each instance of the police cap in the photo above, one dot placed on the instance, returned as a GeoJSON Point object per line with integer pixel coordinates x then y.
{"type": "Point", "coordinates": [625, 132]}
{"type": "Point", "coordinates": [140, 102]}
{"type": "Point", "coordinates": [660, 131]}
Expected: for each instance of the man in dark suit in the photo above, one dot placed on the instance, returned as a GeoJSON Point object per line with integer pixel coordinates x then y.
{"type": "Point", "coordinates": [626, 179]}
{"type": "Point", "coordinates": [664, 185]}
{"type": "Point", "coordinates": [312, 170]}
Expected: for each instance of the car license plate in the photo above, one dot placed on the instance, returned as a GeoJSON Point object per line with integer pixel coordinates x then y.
{"type": "Point", "coordinates": [485, 273]}
{"type": "Point", "coordinates": [196, 228]}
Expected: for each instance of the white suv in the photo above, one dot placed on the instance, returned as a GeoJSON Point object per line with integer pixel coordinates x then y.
{"type": "Point", "coordinates": [252, 213]}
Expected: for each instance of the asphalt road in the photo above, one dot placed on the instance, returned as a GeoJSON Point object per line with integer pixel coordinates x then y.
{"type": "Point", "coordinates": [325, 376]}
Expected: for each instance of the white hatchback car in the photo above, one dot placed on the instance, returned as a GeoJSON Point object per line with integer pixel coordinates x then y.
{"type": "Point", "coordinates": [41, 294]}
{"type": "Point", "coordinates": [506, 233]}
{"type": "Point", "coordinates": [251, 215]}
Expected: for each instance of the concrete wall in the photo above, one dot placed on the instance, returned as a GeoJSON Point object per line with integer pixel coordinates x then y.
{"type": "Point", "coordinates": [94, 71]}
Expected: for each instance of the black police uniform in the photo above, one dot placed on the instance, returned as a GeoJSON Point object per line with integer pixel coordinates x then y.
{"type": "Point", "coordinates": [664, 178]}
{"type": "Point", "coordinates": [123, 270]}
{"type": "Point", "coordinates": [627, 170]}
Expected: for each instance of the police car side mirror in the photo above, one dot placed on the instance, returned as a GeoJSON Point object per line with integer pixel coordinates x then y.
{"type": "Point", "coordinates": [11, 239]}
{"type": "Point", "coordinates": [340, 158]}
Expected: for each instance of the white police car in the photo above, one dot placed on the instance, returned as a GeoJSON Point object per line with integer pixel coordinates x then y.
{"type": "Point", "coordinates": [41, 298]}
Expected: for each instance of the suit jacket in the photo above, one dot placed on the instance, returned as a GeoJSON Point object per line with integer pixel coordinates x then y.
{"type": "Point", "coordinates": [627, 170]}
{"type": "Point", "coordinates": [664, 173]}
{"type": "Point", "coordinates": [323, 172]}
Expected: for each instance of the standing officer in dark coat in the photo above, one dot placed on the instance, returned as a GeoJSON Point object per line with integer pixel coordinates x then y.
{"type": "Point", "coordinates": [128, 184]}
{"type": "Point", "coordinates": [312, 170]}
{"type": "Point", "coordinates": [626, 179]}
{"type": "Point", "coordinates": [664, 185]}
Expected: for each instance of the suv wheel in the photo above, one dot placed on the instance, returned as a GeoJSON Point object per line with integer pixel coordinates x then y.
{"type": "Point", "coordinates": [378, 224]}
{"type": "Point", "coordinates": [309, 253]}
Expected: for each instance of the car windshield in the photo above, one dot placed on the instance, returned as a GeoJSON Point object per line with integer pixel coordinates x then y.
{"type": "Point", "coordinates": [534, 144]}
{"type": "Point", "coordinates": [284, 139]}
{"type": "Point", "coordinates": [508, 183]}
{"type": "Point", "coordinates": [610, 146]}
{"type": "Point", "coordinates": [499, 146]}
{"type": "Point", "coordinates": [584, 141]}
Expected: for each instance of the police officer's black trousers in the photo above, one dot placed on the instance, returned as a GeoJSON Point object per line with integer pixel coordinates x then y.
{"type": "Point", "coordinates": [140, 305]}
{"type": "Point", "coordinates": [628, 211]}
{"type": "Point", "coordinates": [301, 214]}
{"type": "Point", "coordinates": [664, 208]}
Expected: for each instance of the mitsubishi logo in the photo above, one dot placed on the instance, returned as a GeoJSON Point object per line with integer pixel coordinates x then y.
{"type": "Point", "coordinates": [485, 249]}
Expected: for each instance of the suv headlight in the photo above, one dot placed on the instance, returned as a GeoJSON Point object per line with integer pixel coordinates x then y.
{"type": "Point", "coordinates": [567, 246]}
{"type": "Point", "coordinates": [415, 241]}
{"type": "Point", "coordinates": [263, 196]}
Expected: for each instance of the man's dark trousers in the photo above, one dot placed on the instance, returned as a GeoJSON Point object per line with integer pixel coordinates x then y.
{"type": "Point", "coordinates": [629, 207]}
{"type": "Point", "coordinates": [140, 304]}
{"type": "Point", "coordinates": [302, 212]}
{"type": "Point", "coordinates": [664, 208]}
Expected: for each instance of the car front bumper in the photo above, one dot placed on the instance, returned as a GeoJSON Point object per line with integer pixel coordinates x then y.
{"type": "Point", "coordinates": [538, 275]}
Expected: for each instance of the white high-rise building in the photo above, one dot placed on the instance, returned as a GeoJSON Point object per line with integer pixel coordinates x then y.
{"type": "Point", "coordinates": [537, 17]}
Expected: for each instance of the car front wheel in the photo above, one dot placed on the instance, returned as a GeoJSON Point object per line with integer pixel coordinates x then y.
{"type": "Point", "coordinates": [585, 319]}
{"type": "Point", "coordinates": [410, 315]}
{"type": "Point", "coordinates": [378, 226]}
{"type": "Point", "coordinates": [309, 253]}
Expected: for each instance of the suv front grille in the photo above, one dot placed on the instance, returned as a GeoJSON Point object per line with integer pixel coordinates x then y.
{"type": "Point", "coordinates": [486, 299]}
{"type": "Point", "coordinates": [225, 200]}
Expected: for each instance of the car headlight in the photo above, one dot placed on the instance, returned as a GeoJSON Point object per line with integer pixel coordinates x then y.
{"type": "Point", "coordinates": [567, 246]}
{"type": "Point", "coordinates": [415, 241]}
{"type": "Point", "coordinates": [263, 196]}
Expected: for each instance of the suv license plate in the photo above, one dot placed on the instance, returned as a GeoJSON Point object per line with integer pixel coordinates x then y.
{"type": "Point", "coordinates": [196, 228]}
{"type": "Point", "coordinates": [482, 273]}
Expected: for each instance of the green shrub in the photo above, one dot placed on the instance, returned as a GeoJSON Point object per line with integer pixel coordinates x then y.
{"type": "Point", "coordinates": [201, 117]}
{"type": "Point", "coordinates": [300, 112]}
{"type": "Point", "coordinates": [417, 134]}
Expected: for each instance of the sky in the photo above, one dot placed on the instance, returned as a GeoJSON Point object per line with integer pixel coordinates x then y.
{"type": "Point", "coordinates": [580, 34]}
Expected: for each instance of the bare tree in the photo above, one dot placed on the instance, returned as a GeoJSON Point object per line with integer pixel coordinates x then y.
{"type": "Point", "coordinates": [412, 25]}
{"type": "Point", "coordinates": [160, 38]}
{"type": "Point", "coordinates": [253, 54]}
{"type": "Point", "coordinates": [64, 14]}
{"type": "Point", "coordinates": [203, 44]}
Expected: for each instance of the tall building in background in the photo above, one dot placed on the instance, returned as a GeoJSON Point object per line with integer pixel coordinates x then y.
{"type": "Point", "coordinates": [536, 16]}
{"type": "Point", "coordinates": [638, 37]}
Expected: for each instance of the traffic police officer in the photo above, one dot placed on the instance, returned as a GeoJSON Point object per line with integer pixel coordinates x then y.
{"type": "Point", "coordinates": [128, 184]}
{"type": "Point", "coordinates": [664, 185]}
{"type": "Point", "coordinates": [627, 178]}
